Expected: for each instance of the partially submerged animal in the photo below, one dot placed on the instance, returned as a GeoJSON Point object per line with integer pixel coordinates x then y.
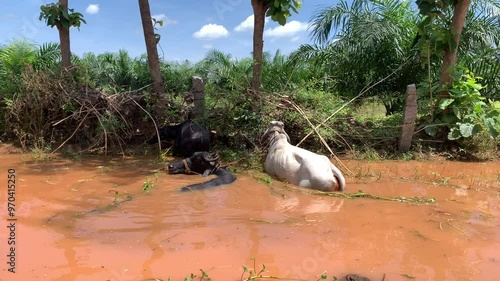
{"type": "Point", "coordinates": [297, 165]}
{"type": "Point", "coordinates": [205, 164]}
{"type": "Point", "coordinates": [189, 137]}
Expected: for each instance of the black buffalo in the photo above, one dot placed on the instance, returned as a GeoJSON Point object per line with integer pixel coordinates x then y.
{"type": "Point", "coordinates": [189, 137]}
{"type": "Point", "coordinates": [202, 163]}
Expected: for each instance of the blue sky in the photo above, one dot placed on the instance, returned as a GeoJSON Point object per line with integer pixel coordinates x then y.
{"type": "Point", "coordinates": [191, 28]}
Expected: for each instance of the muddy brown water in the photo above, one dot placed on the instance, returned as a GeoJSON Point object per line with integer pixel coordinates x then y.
{"type": "Point", "coordinates": [64, 231]}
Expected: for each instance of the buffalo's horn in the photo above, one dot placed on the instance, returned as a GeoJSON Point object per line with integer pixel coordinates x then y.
{"type": "Point", "coordinates": [287, 137]}
{"type": "Point", "coordinates": [211, 157]}
{"type": "Point", "coordinates": [264, 137]}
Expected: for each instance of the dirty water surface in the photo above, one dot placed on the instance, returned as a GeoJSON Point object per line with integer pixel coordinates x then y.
{"type": "Point", "coordinates": [68, 228]}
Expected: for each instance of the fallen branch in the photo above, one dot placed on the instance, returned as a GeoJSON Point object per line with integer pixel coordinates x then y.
{"type": "Point", "coordinates": [154, 122]}
{"type": "Point", "coordinates": [362, 194]}
{"type": "Point", "coordinates": [74, 132]}
{"type": "Point", "coordinates": [363, 91]}
{"type": "Point", "coordinates": [319, 135]}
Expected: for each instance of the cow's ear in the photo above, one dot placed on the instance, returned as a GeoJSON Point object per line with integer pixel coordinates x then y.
{"type": "Point", "coordinates": [207, 172]}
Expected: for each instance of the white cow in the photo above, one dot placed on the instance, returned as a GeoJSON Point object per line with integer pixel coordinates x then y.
{"type": "Point", "coordinates": [297, 165]}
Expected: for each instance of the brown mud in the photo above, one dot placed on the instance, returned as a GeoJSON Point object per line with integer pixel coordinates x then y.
{"type": "Point", "coordinates": [66, 229]}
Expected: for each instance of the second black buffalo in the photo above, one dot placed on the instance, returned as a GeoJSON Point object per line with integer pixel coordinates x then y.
{"type": "Point", "coordinates": [189, 137]}
{"type": "Point", "coordinates": [203, 163]}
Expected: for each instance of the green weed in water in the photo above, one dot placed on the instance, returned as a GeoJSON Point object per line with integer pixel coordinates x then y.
{"type": "Point", "coordinates": [147, 186]}
{"type": "Point", "coordinates": [438, 179]}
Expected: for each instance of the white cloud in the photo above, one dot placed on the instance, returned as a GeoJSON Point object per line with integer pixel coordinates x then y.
{"type": "Point", "coordinates": [247, 24]}
{"type": "Point", "coordinates": [288, 30]}
{"type": "Point", "coordinates": [211, 31]}
{"type": "Point", "coordinates": [166, 20]}
{"type": "Point", "coordinates": [92, 9]}
{"type": "Point", "coordinates": [295, 39]}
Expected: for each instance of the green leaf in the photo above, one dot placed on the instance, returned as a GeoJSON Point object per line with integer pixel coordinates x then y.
{"type": "Point", "coordinates": [454, 134]}
{"type": "Point", "coordinates": [458, 93]}
{"type": "Point", "coordinates": [478, 107]}
{"type": "Point", "coordinates": [281, 19]}
{"type": "Point", "coordinates": [449, 119]}
{"type": "Point", "coordinates": [431, 130]}
{"type": "Point", "coordinates": [456, 111]}
{"type": "Point", "coordinates": [203, 273]}
{"type": "Point", "coordinates": [492, 127]}
{"type": "Point", "coordinates": [444, 103]}
{"type": "Point", "coordinates": [65, 15]}
{"type": "Point", "coordinates": [467, 130]}
{"type": "Point", "coordinates": [65, 24]}
{"type": "Point", "coordinates": [425, 22]}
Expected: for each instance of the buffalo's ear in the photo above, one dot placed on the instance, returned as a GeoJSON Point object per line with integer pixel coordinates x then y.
{"type": "Point", "coordinates": [207, 172]}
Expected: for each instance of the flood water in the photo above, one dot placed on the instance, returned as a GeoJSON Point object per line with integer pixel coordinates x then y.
{"type": "Point", "coordinates": [66, 229]}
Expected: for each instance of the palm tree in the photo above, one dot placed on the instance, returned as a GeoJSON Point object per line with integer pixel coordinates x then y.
{"type": "Point", "coordinates": [16, 56]}
{"type": "Point", "coordinates": [479, 49]}
{"type": "Point", "coordinates": [281, 74]}
{"type": "Point", "coordinates": [225, 72]}
{"type": "Point", "coordinates": [362, 43]}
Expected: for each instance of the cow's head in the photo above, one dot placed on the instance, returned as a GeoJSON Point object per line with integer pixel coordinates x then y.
{"type": "Point", "coordinates": [275, 127]}
{"type": "Point", "coordinates": [203, 163]}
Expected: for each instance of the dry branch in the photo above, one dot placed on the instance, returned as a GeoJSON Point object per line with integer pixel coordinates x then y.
{"type": "Point", "coordinates": [56, 109]}
{"type": "Point", "coordinates": [303, 114]}
{"type": "Point", "coordinates": [362, 92]}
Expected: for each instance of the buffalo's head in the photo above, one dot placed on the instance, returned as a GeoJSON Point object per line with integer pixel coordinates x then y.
{"type": "Point", "coordinates": [275, 127]}
{"type": "Point", "coordinates": [167, 132]}
{"type": "Point", "coordinates": [204, 163]}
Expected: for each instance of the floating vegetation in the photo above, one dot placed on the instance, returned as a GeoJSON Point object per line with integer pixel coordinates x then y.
{"type": "Point", "coordinates": [362, 194]}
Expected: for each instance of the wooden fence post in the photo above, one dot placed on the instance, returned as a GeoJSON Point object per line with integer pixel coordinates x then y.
{"type": "Point", "coordinates": [198, 91]}
{"type": "Point", "coordinates": [409, 117]}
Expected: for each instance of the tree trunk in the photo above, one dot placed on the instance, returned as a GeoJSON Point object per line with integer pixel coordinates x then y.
{"type": "Point", "coordinates": [460, 8]}
{"type": "Point", "coordinates": [64, 39]}
{"type": "Point", "coordinates": [259, 10]}
{"type": "Point", "coordinates": [149, 37]}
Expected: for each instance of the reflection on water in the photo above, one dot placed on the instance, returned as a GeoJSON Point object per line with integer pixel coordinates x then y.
{"type": "Point", "coordinates": [69, 230]}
